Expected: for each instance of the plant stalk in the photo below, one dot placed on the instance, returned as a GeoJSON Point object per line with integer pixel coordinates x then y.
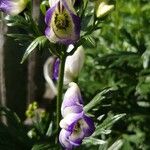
{"type": "Point", "coordinates": [60, 89]}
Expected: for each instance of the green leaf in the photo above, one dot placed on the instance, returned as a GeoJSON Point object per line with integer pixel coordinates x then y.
{"type": "Point", "coordinates": [116, 146]}
{"type": "Point", "coordinates": [20, 37]}
{"type": "Point", "coordinates": [107, 123]}
{"type": "Point", "coordinates": [97, 100]}
{"type": "Point", "coordinates": [93, 141]}
{"type": "Point", "coordinates": [43, 6]}
{"type": "Point", "coordinates": [89, 40]}
{"type": "Point", "coordinates": [41, 147]}
{"type": "Point", "coordinates": [38, 41]}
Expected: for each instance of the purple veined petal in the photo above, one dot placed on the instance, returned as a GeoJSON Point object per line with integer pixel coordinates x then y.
{"type": "Point", "coordinates": [87, 125]}
{"type": "Point", "coordinates": [72, 96]}
{"type": "Point", "coordinates": [49, 14]}
{"type": "Point", "coordinates": [70, 120]}
{"type": "Point", "coordinates": [71, 109]}
{"type": "Point", "coordinates": [13, 7]}
{"type": "Point", "coordinates": [77, 25]}
{"type": "Point", "coordinates": [56, 69]}
{"type": "Point", "coordinates": [63, 139]}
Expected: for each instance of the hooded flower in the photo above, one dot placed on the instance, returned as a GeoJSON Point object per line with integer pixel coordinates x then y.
{"type": "Point", "coordinates": [73, 66]}
{"type": "Point", "coordinates": [76, 125]}
{"type": "Point", "coordinates": [63, 25]}
{"type": "Point", "coordinates": [13, 7]}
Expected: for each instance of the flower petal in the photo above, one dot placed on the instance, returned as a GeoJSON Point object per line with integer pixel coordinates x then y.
{"type": "Point", "coordinates": [72, 109]}
{"type": "Point", "coordinates": [56, 69]}
{"type": "Point", "coordinates": [70, 120]}
{"type": "Point", "coordinates": [72, 97]}
{"type": "Point", "coordinates": [63, 139]}
{"type": "Point", "coordinates": [87, 126]}
{"type": "Point", "coordinates": [76, 138]}
{"type": "Point", "coordinates": [13, 7]}
{"type": "Point", "coordinates": [75, 62]}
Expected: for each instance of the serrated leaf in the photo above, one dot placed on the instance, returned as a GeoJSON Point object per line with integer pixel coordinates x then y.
{"type": "Point", "coordinates": [38, 41]}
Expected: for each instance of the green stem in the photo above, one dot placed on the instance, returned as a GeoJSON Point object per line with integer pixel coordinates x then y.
{"type": "Point", "coordinates": [60, 89]}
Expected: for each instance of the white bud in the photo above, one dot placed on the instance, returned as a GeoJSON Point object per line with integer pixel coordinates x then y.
{"type": "Point", "coordinates": [74, 65]}
{"type": "Point", "coordinates": [103, 9]}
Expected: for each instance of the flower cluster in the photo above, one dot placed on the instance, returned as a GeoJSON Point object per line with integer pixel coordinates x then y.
{"type": "Point", "coordinates": [76, 125]}
{"type": "Point", "coordinates": [13, 7]}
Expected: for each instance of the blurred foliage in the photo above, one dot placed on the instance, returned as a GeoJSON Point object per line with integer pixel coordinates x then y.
{"type": "Point", "coordinates": [119, 58]}
{"type": "Point", "coordinates": [117, 64]}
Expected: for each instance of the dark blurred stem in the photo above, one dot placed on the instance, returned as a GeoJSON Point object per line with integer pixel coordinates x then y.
{"type": "Point", "coordinates": [60, 89]}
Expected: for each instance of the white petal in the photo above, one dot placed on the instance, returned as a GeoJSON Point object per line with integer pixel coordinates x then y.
{"type": "Point", "coordinates": [74, 64]}
{"type": "Point", "coordinates": [104, 9]}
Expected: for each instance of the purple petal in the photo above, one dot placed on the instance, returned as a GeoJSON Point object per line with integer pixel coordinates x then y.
{"type": "Point", "coordinates": [12, 7]}
{"type": "Point", "coordinates": [72, 97]}
{"type": "Point", "coordinates": [88, 126]}
{"type": "Point", "coordinates": [49, 14]}
{"type": "Point", "coordinates": [56, 69]}
{"type": "Point", "coordinates": [77, 25]}
{"type": "Point", "coordinates": [63, 139]}
{"type": "Point", "coordinates": [70, 121]}
{"type": "Point", "coordinates": [72, 109]}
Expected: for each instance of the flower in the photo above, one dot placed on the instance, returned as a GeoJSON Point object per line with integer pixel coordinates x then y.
{"type": "Point", "coordinates": [13, 7]}
{"type": "Point", "coordinates": [76, 125]}
{"type": "Point", "coordinates": [103, 9]}
{"type": "Point", "coordinates": [73, 66]}
{"type": "Point", "coordinates": [63, 25]}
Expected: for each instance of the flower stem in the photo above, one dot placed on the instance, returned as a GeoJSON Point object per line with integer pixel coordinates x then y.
{"type": "Point", "coordinates": [60, 89]}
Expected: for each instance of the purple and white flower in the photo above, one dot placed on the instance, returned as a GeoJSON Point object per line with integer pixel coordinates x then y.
{"type": "Point", "coordinates": [75, 124]}
{"type": "Point", "coordinates": [63, 24]}
{"type": "Point", "coordinates": [13, 7]}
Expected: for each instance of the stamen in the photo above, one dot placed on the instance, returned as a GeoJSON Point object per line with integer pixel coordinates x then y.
{"type": "Point", "coordinates": [61, 21]}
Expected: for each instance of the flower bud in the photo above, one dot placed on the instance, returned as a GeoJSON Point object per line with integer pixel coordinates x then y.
{"type": "Point", "coordinates": [74, 65]}
{"type": "Point", "coordinates": [63, 25]}
{"type": "Point", "coordinates": [13, 7]}
{"type": "Point", "coordinates": [103, 9]}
